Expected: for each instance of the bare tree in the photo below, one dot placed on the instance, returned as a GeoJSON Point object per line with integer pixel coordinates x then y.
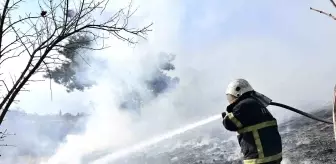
{"type": "Point", "coordinates": [37, 37]}
{"type": "Point", "coordinates": [325, 13]}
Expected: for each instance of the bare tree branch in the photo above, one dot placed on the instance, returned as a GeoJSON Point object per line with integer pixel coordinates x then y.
{"type": "Point", "coordinates": [322, 12]}
{"type": "Point", "coordinates": [3, 17]}
{"type": "Point", "coordinates": [38, 37]}
{"type": "Point", "coordinates": [3, 135]}
{"type": "Point", "coordinates": [333, 3]}
{"type": "Point", "coordinates": [48, 70]}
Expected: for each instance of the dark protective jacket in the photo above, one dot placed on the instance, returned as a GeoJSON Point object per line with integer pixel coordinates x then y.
{"type": "Point", "coordinates": [258, 134]}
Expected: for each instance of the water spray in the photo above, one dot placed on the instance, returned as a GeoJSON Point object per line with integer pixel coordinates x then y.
{"type": "Point", "coordinates": [265, 101]}
{"type": "Point", "coordinates": [138, 147]}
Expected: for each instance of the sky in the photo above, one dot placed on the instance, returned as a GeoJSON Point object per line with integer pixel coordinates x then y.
{"type": "Point", "coordinates": [231, 40]}
{"type": "Point", "coordinates": [284, 49]}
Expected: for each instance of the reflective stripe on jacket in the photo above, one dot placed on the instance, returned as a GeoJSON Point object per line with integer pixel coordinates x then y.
{"type": "Point", "coordinates": [257, 130]}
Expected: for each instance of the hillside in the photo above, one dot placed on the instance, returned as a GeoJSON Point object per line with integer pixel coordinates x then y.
{"type": "Point", "coordinates": [304, 140]}
{"type": "Point", "coordinates": [37, 135]}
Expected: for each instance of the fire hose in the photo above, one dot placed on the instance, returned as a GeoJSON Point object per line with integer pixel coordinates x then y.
{"type": "Point", "coordinates": [265, 101]}
{"type": "Point", "coordinates": [300, 112]}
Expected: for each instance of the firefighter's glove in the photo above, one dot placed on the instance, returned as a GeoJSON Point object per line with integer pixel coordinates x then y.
{"type": "Point", "coordinates": [223, 114]}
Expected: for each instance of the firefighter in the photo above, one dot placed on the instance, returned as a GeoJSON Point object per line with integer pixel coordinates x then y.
{"type": "Point", "coordinates": [257, 129]}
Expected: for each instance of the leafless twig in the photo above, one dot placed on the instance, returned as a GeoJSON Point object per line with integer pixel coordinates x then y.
{"type": "Point", "coordinates": [322, 12]}
{"type": "Point", "coordinates": [38, 36]}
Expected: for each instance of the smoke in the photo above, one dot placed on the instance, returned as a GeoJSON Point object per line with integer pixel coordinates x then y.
{"type": "Point", "coordinates": [285, 50]}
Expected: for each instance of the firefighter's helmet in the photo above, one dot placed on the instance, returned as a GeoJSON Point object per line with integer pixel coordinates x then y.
{"type": "Point", "coordinates": [238, 87]}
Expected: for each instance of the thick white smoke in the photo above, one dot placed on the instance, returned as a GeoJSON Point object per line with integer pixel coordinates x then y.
{"type": "Point", "coordinates": [282, 48]}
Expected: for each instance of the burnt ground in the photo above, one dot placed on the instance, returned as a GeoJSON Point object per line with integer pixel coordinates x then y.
{"type": "Point", "coordinates": [305, 141]}
{"type": "Point", "coordinates": [309, 140]}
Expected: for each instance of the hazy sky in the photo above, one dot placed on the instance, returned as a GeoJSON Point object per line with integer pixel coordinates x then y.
{"type": "Point", "coordinates": [281, 46]}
